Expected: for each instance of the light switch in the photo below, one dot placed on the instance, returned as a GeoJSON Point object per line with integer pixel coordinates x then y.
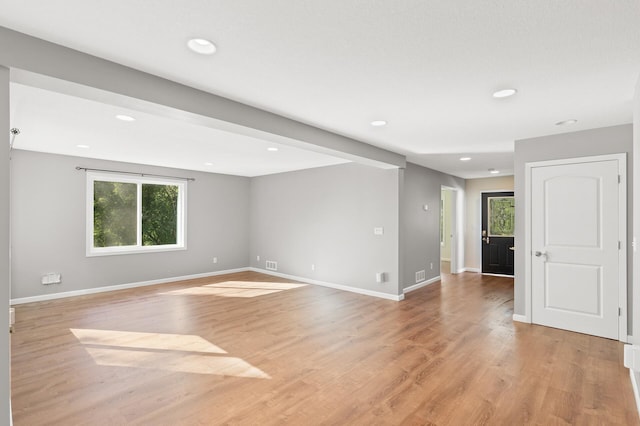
{"type": "Point", "coordinates": [378, 231]}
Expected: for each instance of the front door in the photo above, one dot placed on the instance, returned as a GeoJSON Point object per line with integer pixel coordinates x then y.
{"type": "Point", "coordinates": [498, 214]}
{"type": "Point", "coordinates": [576, 225]}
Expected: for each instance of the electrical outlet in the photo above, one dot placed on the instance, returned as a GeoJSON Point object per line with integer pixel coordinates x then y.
{"type": "Point", "coordinates": [215, 260]}
{"type": "Point", "coordinates": [313, 266]}
{"type": "Point", "coordinates": [258, 258]}
{"type": "Point", "coordinates": [431, 265]}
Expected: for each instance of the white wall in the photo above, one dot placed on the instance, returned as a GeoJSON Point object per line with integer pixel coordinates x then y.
{"type": "Point", "coordinates": [48, 227]}
{"type": "Point", "coordinates": [606, 140]}
{"type": "Point", "coordinates": [5, 278]}
{"type": "Point", "coordinates": [473, 222]}
{"type": "Point", "coordinates": [421, 229]}
{"type": "Point", "coordinates": [325, 217]}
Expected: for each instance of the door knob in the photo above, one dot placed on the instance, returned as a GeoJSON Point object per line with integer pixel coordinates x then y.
{"type": "Point", "coordinates": [540, 253]}
{"type": "Point", "coordinates": [512, 248]}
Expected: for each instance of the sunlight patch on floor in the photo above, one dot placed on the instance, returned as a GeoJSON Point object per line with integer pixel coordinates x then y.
{"type": "Point", "coordinates": [134, 339]}
{"type": "Point", "coordinates": [180, 363]}
{"type": "Point", "coordinates": [236, 289]}
{"type": "Point", "coordinates": [158, 351]}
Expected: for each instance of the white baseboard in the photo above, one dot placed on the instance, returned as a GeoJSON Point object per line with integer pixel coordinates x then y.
{"type": "Point", "coordinates": [498, 275]}
{"type": "Point", "coordinates": [521, 318]}
{"type": "Point", "coordinates": [421, 284]}
{"type": "Point", "coordinates": [44, 297]}
{"type": "Point", "coordinates": [476, 270]}
{"type": "Point", "coordinates": [366, 292]}
{"type": "Point", "coordinates": [634, 385]}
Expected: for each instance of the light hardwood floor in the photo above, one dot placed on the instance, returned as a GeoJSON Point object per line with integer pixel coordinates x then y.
{"type": "Point", "coordinates": [243, 349]}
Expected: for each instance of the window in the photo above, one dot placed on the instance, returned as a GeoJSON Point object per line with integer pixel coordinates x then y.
{"type": "Point", "coordinates": [501, 213]}
{"type": "Point", "coordinates": [130, 214]}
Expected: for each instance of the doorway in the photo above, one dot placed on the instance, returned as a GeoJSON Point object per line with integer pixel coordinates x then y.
{"type": "Point", "coordinates": [448, 243]}
{"type": "Point", "coordinates": [576, 251]}
{"type": "Point", "coordinates": [498, 227]}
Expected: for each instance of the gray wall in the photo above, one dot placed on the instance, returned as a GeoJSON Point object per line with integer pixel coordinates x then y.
{"type": "Point", "coordinates": [421, 229]}
{"type": "Point", "coordinates": [607, 140]}
{"type": "Point", "coordinates": [5, 278]}
{"type": "Point", "coordinates": [48, 227]}
{"type": "Point", "coordinates": [325, 216]}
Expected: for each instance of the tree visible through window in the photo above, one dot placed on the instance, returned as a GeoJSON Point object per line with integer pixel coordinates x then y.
{"type": "Point", "coordinates": [159, 214]}
{"type": "Point", "coordinates": [134, 214]}
{"type": "Point", "coordinates": [114, 214]}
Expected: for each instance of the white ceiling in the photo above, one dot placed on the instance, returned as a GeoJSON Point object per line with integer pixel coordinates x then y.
{"type": "Point", "coordinates": [57, 123]}
{"type": "Point", "coordinates": [427, 67]}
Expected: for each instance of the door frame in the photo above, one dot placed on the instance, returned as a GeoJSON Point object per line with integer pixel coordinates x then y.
{"type": "Point", "coordinates": [479, 244]}
{"type": "Point", "coordinates": [622, 232]}
{"type": "Point", "coordinates": [454, 229]}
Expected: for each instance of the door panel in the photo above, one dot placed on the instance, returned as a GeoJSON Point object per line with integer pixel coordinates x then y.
{"type": "Point", "coordinates": [579, 225]}
{"type": "Point", "coordinates": [574, 236]}
{"type": "Point", "coordinates": [570, 280]}
{"type": "Point", "coordinates": [498, 215]}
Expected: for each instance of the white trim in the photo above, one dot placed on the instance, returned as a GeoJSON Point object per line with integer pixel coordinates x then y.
{"type": "Point", "coordinates": [636, 391]}
{"type": "Point", "coordinates": [622, 231]}
{"type": "Point", "coordinates": [366, 292]}
{"type": "Point", "coordinates": [498, 275]}
{"type": "Point", "coordinates": [104, 289]}
{"type": "Point", "coordinates": [520, 318]}
{"type": "Point", "coordinates": [422, 284]}
{"type": "Point", "coordinates": [474, 270]}
{"type": "Point", "coordinates": [444, 259]}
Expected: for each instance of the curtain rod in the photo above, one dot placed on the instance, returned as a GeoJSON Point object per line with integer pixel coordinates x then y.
{"type": "Point", "coordinates": [87, 169]}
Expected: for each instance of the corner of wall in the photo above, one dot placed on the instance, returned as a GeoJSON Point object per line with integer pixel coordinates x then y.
{"type": "Point", "coordinates": [634, 299]}
{"type": "Point", "coordinates": [5, 275]}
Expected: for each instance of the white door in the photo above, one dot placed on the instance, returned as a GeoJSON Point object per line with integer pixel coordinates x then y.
{"type": "Point", "coordinates": [576, 228]}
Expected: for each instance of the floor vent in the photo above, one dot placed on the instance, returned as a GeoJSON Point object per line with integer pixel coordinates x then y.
{"type": "Point", "coordinates": [271, 265]}
{"type": "Point", "coordinates": [420, 276]}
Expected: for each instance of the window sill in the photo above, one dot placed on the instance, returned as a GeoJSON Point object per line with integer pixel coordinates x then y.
{"type": "Point", "coordinates": [114, 251]}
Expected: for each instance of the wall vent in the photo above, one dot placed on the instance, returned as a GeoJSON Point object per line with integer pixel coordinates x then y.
{"type": "Point", "coordinates": [421, 276]}
{"type": "Point", "coordinates": [271, 265]}
{"type": "Point", "coordinates": [51, 278]}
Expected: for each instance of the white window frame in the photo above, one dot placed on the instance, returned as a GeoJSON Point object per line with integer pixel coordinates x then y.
{"type": "Point", "coordinates": [181, 243]}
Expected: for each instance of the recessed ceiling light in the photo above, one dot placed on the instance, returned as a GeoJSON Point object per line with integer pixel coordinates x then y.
{"type": "Point", "coordinates": [494, 171]}
{"type": "Point", "coordinates": [504, 93]}
{"type": "Point", "coordinates": [83, 146]}
{"type": "Point", "coordinates": [465, 158]}
{"type": "Point", "coordinates": [125, 117]}
{"type": "Point", "coordinates": [378, 123]}
{"type": "Point", "coordinates": [272, 149]}
{"type": "Point", "coordinates": [566, 122]}
{"type": "Point", "coordinates": [208, 164]}
{"type": "Point", "coordinates": [202, 46]}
